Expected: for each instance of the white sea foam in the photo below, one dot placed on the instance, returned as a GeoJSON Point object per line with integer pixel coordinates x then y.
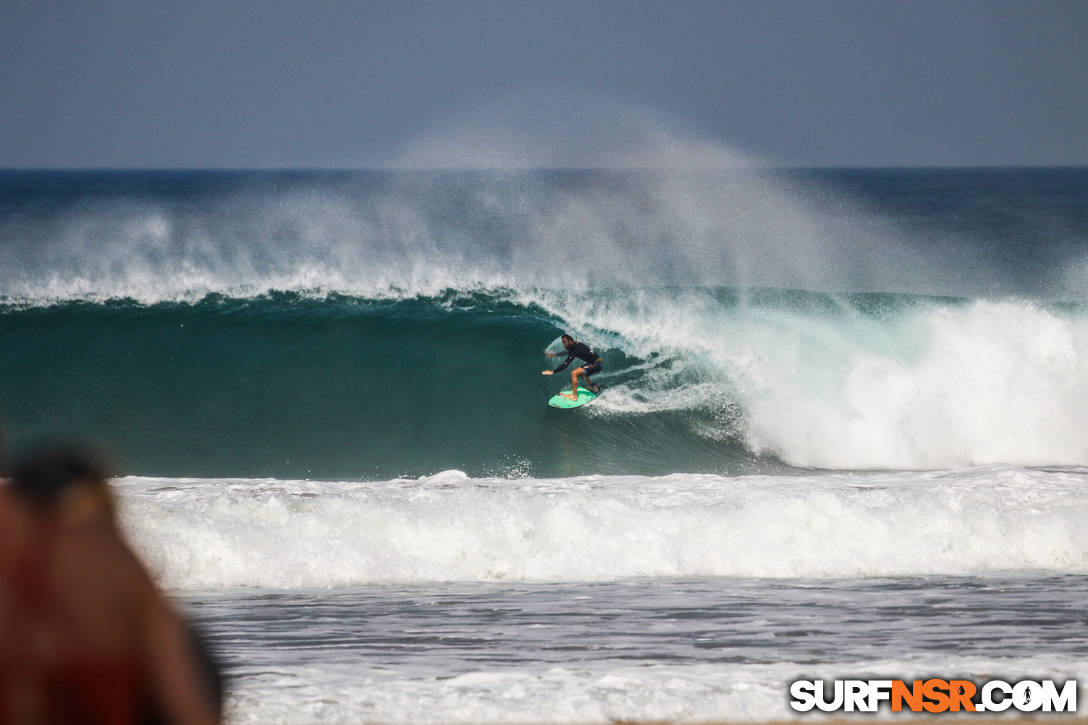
{"type": "Point", "coordinates": [598, 694]}
{"type": "Point", "coordinates": [216, 533]}
{"type": "Point", "coordinates": [555, 695]}
{"type": "Point", "coordinates": [991, 382]}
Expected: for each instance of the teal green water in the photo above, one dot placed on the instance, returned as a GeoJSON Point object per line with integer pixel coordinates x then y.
{"type": "Point", "coordinates": [292, 387]}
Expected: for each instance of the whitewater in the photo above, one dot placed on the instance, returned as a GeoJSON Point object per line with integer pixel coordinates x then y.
{"type": "Point", "coordinates": [845, 431]}
{"type": "Point", "coordinates": [209, 533]}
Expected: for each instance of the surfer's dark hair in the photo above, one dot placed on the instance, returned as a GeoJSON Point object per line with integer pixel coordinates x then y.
{"type": "Point", "coordinates": [45, 470]}
{"type": "Point", "coordinates": [565, 336]}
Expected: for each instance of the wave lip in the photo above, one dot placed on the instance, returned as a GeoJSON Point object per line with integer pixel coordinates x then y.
{"type": "Point", "coordinates": [216, 533]}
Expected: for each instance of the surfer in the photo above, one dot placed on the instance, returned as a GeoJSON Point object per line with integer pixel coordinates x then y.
{"type": "Point", "coordinates": [581, 351]}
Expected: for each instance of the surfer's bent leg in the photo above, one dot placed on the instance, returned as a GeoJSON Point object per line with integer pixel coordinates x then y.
{"type": "Point", "coordinates": [574, 382]}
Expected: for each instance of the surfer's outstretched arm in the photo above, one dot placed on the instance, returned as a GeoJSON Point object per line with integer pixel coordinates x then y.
{"type": "Point", "coordinates": [565, 363]}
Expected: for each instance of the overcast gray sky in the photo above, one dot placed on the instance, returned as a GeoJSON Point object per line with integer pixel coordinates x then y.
{"type": "Point", "coordinates": [143, 83]}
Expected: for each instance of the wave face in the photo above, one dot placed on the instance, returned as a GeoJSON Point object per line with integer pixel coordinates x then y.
{"type": "Point", "coordinates": [385, 325]}
{"type": "Point", "coordinates": [699, 380]}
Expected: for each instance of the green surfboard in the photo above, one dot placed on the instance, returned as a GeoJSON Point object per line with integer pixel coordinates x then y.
{"type": "Point", "coordinates": [584, 396]}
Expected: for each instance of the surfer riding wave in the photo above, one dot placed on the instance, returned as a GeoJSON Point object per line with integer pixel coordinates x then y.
{"type": "Point", "coordinates": [581, 351]}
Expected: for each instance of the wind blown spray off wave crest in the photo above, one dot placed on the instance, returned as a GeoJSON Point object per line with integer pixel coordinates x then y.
{"type": "Point", "coordinates": [449, 527]}
{"type": "Point", "coordinates": [157, 237]}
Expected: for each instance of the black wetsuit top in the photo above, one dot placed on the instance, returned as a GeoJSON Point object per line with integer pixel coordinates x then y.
{"type": "Point", "coordinates": [581, 351]}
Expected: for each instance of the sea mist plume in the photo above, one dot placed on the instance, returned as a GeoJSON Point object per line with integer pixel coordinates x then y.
{"type": "Point", "coordinates": [682, 208]}
{"type": "Point", "coordinates": [650, 203]}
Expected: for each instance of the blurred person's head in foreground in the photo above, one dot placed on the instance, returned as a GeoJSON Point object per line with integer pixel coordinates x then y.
{"type": "Point", "coordinates": [85, 635]}
{"type": "Point", "coordinates": [52, 476]}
